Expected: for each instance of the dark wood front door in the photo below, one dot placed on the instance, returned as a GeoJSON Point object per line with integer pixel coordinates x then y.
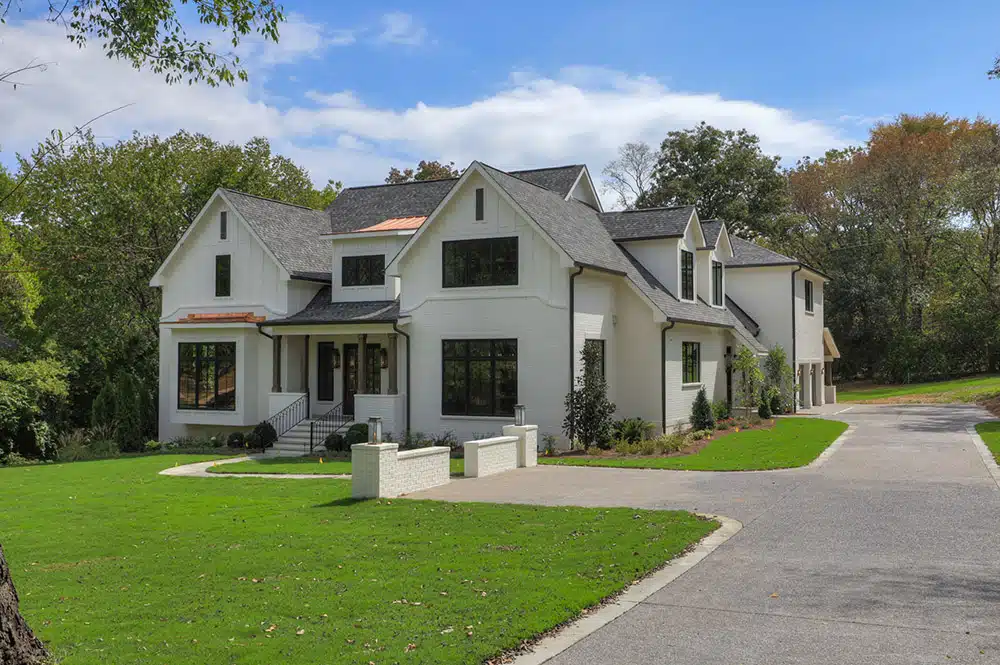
{"type": "Point", "coordinates": [373, 375]}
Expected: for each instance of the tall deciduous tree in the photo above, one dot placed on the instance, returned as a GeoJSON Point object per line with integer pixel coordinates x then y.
{"type": "Point", "coordinates": [630, 175]}
{"type": "Point", "coordinates": [724, 173]}
{"type": "Point", "coordinates": [425, 171]}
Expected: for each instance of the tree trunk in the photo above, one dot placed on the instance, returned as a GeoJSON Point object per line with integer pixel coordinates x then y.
{"type": "Point", "coordinates": [18, 645]}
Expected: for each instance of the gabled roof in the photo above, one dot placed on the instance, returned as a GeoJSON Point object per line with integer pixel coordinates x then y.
{"type": "Point", "coordinates": [558, 179]}
{"type": "Point", "coordinates": [321, 310]}
{"type": "Point", "coordinates": [360, 207]}
{"type": "Point", "coordinates": [747, 254]}
{"type": "Point", "coordinates": [648, 223]}
{"type": "Point", "coordinates": [712, 229]}
{"type": "Point", "coordinates": [290, 231]}
{"type": "Point", "coordinates": [395, 224]}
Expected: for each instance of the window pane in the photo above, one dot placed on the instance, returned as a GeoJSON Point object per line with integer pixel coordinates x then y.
{"type": "Point", "coordinates": [487, 262]}
{"type": "Point", "coordinates": [478, 258]}
{"type": "Point", "coordinates": [480, 388]}
{"type": "Point", "coordinates": [454, 265]}
{"type": "Point", "coordinates": [187, 381]}
{"type": "Point", "coordinates": [480, 204]}
{"type": "Point", "coordinates": [226, 373]}
{"type": "Point", "coordinates": [453, 388]}
{"type": "Point", "coordinates": [505, 261]}
{"type": "Point", "coordinates": [505, 348]}
{"type": "Point", "coordinates": [222, 276]}
{"type": "Point", "coordinates": [206, 380]}
{"type": "Point", "coordinates": [378, 270]}
{"type": "Point", "coordinates": [506, 387]}
{"type": "Point", "coordinates": [223, 223]}
{"type": "Point", "coordinates": [481, 348]}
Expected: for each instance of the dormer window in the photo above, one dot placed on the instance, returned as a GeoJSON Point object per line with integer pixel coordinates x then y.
{"type": "Point", "coordinates": [717, 283]}
{"type": "Point", "coordinates": [480, 204]}
{"type": "Point", "coordinates": [810, 307]}
{"type": "Point", "coordinates": [363, 270]}
{"type": "Point", "coordinates": [687, 275]}
{"type": "Point", "coordinates": [223, 225]}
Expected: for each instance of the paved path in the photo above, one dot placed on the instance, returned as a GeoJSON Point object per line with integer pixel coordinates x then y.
{"type": "Point", "coordinates": [889, 553]}
{"type": "Point", "coordinates": [201, 470]}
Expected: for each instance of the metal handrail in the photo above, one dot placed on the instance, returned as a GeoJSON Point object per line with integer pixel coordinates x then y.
{"type": "Point", "coordinates": [327, 425]}
{"type": "Point", "coordinates": [291, 415]}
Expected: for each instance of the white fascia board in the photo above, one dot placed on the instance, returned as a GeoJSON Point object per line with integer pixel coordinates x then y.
{"type": "Point", "coordinates": [349, 235]}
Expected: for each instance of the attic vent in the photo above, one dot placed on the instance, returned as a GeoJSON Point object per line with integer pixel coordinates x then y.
{"type": "Point", "coordinates": [223, 225]}
{"type": "Point", "coordinates": [480, 204]}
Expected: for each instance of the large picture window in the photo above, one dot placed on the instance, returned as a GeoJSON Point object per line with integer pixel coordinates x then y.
{"type": "Point", "coordinates": [207, 378]}
{"type": "Point", "coordinates": [478, 377]}
{"type": "Point", "coordinates": [481, 262]}
{"type": "Point", "coordinates": [691, 362]}
{"type": "Point", "coordinates": [687, 275]}
{"type": "Point", "coordinates": [223, 276]}
{"type": "Point", "coordinates": [717, 283]}
{"type": "Point", "coordinates": [363, 270]}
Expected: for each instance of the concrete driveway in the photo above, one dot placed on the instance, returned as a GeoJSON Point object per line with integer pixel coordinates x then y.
{"type": "Point", "coordinates": [888, 553]}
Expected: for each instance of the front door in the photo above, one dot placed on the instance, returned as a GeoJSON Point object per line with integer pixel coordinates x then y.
{"type": "Point", "coordinates": [373, 375]}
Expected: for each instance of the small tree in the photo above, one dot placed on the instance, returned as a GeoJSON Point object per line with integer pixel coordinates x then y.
{"type": "Point", "coordinates": [702, 416]}
{"type": "Point", "coordinates": [589, 413]}
{"type": "Point", "coordinates": [749, 379]}
{"type": "Point", "coordinates": [778, 374]}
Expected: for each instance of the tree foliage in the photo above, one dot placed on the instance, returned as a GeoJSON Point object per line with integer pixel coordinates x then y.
{"type": "Point", "coordinates": [749, 379]}
{"type": "Point", "coordinates": [702, 416]}
{"type": "Point", "coordinates": [779, 380]}
{"type": "Point", "coordinates": [589, 413]}
{"type": "Point", "coordinates": [425, 170]}
{"type": "Point", "coordinates": [630, 175]}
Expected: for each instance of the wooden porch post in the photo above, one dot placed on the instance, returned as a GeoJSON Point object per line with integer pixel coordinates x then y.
{"type": "Point", "coordinates": [305, 374]}
{"type": "Point", "coordinates": [362, 364]}
{"type": "Point", "coordinates": [393, 366]}
{"type": "Point", "coordinates": [276, 365]}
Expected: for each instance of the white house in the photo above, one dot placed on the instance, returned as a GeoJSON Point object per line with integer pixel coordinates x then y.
{"type": "Point", "coordinates": [441, 304]}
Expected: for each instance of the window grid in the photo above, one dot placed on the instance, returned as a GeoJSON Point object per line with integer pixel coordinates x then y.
{"type": "Point", "coordinates": [223, 225]}
{"type": "Point", "coordinates": [809, 296]}
{"type": "Point", "coordinates": [480, 262]}
{"type": "Point", "coordinates": [717, 283]}
{"type": "Point", "coordinates": [223, 276]}
{"type": "Point", "coordinates": [478, 377]}
{"type": "Point", "coordinates": [363, 270]}
{"type": "Point", "coordinates": [206, 376]}
{"type": "Point", "coordinates": [480, 204]}
{"type": "Point", "coordinates": [687, 275]}
{"type": "Point", "coordinates": [691, 362]}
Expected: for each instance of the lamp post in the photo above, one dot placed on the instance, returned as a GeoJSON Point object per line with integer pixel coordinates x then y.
{"type": "Point", "coordinates": [520, 414]}
{"type": "Point", "coordinates": [375, 429]}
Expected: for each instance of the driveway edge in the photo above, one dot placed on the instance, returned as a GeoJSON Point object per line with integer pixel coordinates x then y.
{"type": "Point", "coordinates": [552, 645]}
{"type": "Point", "coordinates": [831, 449]}
{"type": "Point", "coordinates": [200, 470]}
{"type": "Point", "coordinates": [984, 452]}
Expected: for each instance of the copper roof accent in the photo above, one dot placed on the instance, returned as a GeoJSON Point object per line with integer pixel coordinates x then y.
{"type": "Point", "coordinates": [394, 224]}
{"type": "Point", "coordinates": [221, 317]}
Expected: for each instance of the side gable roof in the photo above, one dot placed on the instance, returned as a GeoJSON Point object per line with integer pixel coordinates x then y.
{"type": "Point", "coordinates": [322, 310]}
{"type": "Point", "coordinates": [712, 229]}
{"type": "Point", "coordinates": [360, 207]}
{"type": "Point", "coordinates": [558, 179]}
{"type": "Point", "coordinates": [747, 254]}
{"type": "Point", "coordinates": [648, 223]}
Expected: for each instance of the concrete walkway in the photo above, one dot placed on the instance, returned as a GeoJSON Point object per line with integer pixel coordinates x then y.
{"type": "Point", "coordinates": [889, 553]}
{"type": "Point", "coordinates": [201, 470]}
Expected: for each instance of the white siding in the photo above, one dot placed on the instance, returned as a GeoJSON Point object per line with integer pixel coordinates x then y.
{"type": "Point", "coordinates": [594, 318]}
{"type": "Point", "coordinates": [713, 369]}
{"type": "Point", "coordinates": [660, 257]}
{"type": "Point", "coordinates": [808, 326]}
{"type": "Point", "coordinates": [636, 358]}
{"type": "Point", "coordinates": [765, 294]}
{"type": "Point", "coordinates": [388, 246]}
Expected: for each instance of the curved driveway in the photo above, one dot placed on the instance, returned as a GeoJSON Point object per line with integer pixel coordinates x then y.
{"type": "Point", "coordinates": [888, 553]}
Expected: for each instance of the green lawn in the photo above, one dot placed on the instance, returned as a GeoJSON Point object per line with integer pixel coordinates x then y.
{"type": "Point", "coordinates": [306, 465]}
{"type": "Point", "coordinates": [990, 433]}
{"type": "Point", "coordinates": [116, 564]}
{"type": "Point", "coordinates": [792, 442]}
{"type": "Point", "coordinates": [971, 389]}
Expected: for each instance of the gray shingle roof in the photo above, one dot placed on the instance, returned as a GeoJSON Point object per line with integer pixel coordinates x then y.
{"type": "Point", "coordinates": [559, 179]}
{"type": "Point", "coordinates": [290, 231]}
{"type": "Point", "coordinates": [744, 318]}
{"type": "Point", "coordinates": [746, 253]}
{"type": "Point", "coordinates": [648, 223]}
{"type": "Point", "coordinates": [358, 207]}
{"type": "Point", "coordinates": [712, 229]}
{"type": "Point", "coordinates": [321, 310]}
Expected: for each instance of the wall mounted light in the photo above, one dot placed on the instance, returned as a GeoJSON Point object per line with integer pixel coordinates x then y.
{"type": "Point", "coordinates": [384, 355]}
{"type": "Point", "coordinates": [520, 414]}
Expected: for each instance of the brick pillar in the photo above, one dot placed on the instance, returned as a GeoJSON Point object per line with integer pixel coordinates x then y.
{"type": "Point", "coordinates": [527, 443]}
{"type": "Point", "coordinates": [374, 470]}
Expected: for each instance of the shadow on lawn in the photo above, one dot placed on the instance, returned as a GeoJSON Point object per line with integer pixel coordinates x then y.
{"type": "Point", "coordinates": [338, 503]}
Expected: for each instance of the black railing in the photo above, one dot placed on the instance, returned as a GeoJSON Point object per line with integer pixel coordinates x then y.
{"type": "Point", "coordinates": [291, 415]}
{"type": "Point", "coordinates": [330, 423]}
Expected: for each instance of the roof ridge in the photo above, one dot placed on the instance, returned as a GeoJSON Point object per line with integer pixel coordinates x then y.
{"type": "Point", "coordinates": [546, 168]}
{"type": "Point", "coordinates": [622, 212]}
{"type": "Point", "coordinates": [265, 198]}
{"type": "Point", "coordinates": [397, 184]}
{"type": "Point", "coordinates": [527, 182]}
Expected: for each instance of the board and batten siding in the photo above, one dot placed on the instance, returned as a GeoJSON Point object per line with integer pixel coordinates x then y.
{"type": "Point", "coordinates": [594, 318]}
{"type": "Point", "coordinates": [387, 246]}
{"type": "Point", "coordinates": [808, 326]}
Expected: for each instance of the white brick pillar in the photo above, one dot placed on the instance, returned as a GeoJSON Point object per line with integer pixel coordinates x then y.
{"type": "Point", "coordinates": [527, 443]}
{"type": "Point", "coordinates": [374, 470]}
{"type": "Point", "coordinates": [807, 382]}
{"type": "Point", "coordinates": [818, 397]}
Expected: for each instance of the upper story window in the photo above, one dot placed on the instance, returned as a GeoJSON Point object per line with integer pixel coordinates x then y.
{"type": "Point", "coordinates": [717, 283]}
{"type": "Point", "coordinates": [223, 225]}
{"type": "Point", "coordinates": [223, 276]}
{"type": "Point", "coordinates": [687, 275]}
{"type": "Point", "coordinates": [363, 270]}
{"type": "Point", "coordinates": [481, 262]}
{"type": "Point", "coordinates": [809, 296]}
{"type": "Point", "coordinates": [480, 204]}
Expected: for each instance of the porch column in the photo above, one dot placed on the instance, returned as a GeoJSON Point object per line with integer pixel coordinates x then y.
{"type": "Point", "coordinates": [276, 364]}
{"type": "Point", "coordinates": [393, 364]}
{"type": "Point", "coordinates": [305, 374]}
{"type": "Point", "coordinates": [807, 381]}
{"type": "Point", "coordinates": [818, 384]}
{"type": "Point", "coordinates": [362, 364]}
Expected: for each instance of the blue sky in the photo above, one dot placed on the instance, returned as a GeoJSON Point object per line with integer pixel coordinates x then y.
{"type": "Point", "coordinates": [354, 88]}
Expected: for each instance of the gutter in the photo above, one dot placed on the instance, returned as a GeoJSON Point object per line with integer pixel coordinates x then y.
{"type": "Point", "coordinates": [663, 375]}
{"type": "Point", "coordinates": [795, 398]}
{"type": "Point", "coordinates": [407, 338]}
{"type": "Point", "coordinates": [572, 358]}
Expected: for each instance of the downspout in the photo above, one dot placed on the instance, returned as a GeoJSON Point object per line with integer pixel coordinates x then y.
{"type": "Point", "coordinates": [663, 374]}
{"type": "Point", "coordinates": [261, 330]}
{"type": "Point", "coordinates": [572, 358]}
{"type": "Point", "coordinates": [795, 364]}
{"type": "Point", "coordinates": [407, 338]}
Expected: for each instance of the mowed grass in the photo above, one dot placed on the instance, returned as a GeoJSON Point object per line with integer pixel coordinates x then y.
{"type": "Point", "coordinates": [304, 465]}
{"type": "Point", "coordinates": [990, 433]}
{"type": "Point", "coordinates": [116, 564]}
{"type": "Point", "coordinates": [790, 443]}
{"type": "Point", "coordinates": [970, 389]}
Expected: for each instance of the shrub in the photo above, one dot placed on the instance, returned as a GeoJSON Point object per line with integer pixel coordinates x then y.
{"type": "Point", "coordinates": [669, 443]}
{"type": "Point", "coordinates": [633, 429]}
{"type": "Point", "coordinates": [236, 440]}
{"type": "Point", "coordinates": [104, 448]}
{"type": "Point", "coordinates": [647, 447]}
{"type": "Point", "coordinates": [356, 433]}
{"type": "Point", "coordinates": [720, 409]}
{"type": "Point", "coordinates": [265, 435]}
{"type": "Point", "coordinates": [447, 439]}
{"type": "Point", "coordinates": [764, 410]}
{"type": "Point", "coordinates": [746, 372]}
{"type": "Point", "coordinates": [779, 375]}
{"type": "Point", "coordinates": [589, 412]}
{"type": "Point", "coordinates": [549, 443]}
{"type": "Point", "coordinates": [773, 398]}
{"type": "Point", "coordinates": [153, 446]}
{"type": "Point", "coordinates": [335, 443]}
{"type": "Point", "coordinates": [73, 446]}
{"type": "Point", "coordinates": [700, 434]}
{"type": "Point", "coordinates": [16, 459]}
{"type": "Point", "coordinates": [624, 447]}
{"type": "Point", "coordinates": [701, 412]}
{"type": "Point", "coordinates": [123, 405]}
{"type": "Point", "coordinates": [415, 440]}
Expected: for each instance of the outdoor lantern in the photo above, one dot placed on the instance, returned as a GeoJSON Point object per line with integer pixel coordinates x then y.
{"type": "Point", "coordinates": [519, 414]}
{"type": "Point", "coordinates": [384, 357]}
{"type": "Point", "coordinates": [375, 429]}
{"type": "Point", "coordinates": [336, 358]}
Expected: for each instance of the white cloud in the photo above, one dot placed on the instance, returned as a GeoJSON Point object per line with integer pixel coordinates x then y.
{"type": "Point", "coordinates": [402, 28]}
{"type": "Point", "coordinates": [580, 115]}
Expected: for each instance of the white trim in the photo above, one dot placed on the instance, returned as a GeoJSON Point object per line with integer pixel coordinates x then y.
{"type": "Point", "coordinates": [590, 181]}
{"type": "Point", "coordinates": [344, 235]}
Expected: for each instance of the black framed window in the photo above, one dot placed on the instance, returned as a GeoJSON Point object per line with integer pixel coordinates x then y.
{"type": "Point", "coordinates": [480, 204]}
{"type": "Point", "coordinates": [717, 283]}
{"type": "Point", "coordinates": [691, 362]}
{"type": "Point", "coordinates": [597, 344]}
{"type": "Point", "coordinates": [481, 262]}
{"type": "Point", "coordinates": [363, 270]}
{"type": "Point", "coordinates": [809, 296]}
{"type": "Point", "coordinates": [223, 276]}
{"type": "Point", "coordinates": [478, 377]}
{"type": "Point", "coordinates": [206, 376]}
{"type": "Point", "coordinates": [324, 371]}
{"type": "Point", "coordinates": [223, 225]}
{"type": "Point", "coordinates": [687, 275]}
